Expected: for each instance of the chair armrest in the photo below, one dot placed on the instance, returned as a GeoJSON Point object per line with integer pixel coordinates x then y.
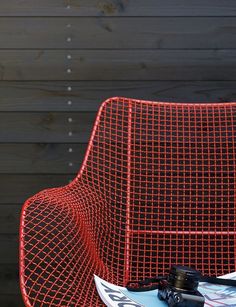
{"type": "Point", "coordinates": [57, 245]}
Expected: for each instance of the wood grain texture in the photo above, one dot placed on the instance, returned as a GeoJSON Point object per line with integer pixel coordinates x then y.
{"type": "Point", "coordinates": [46, 127]}
{"type": "Point", "coordinates": [41, 158]}
{"type": "Point", "coordinates": [10, 290]}
{"type": "Point", "coordinates": [117, 8]}
{"type": "Point", "coordinates": [88, 95]}
{"type": "Point", "coordinates": [54, 95]}
{"type": "Point", "coordinates": [118, 33]}
{"type": "Point", "coordinates": [17, 188]}
{"type": "Point", "coordinates": [118, 65]}
{"type": "Point", "coordinates": [9, 248]}
{"type": "Point", "coordinates": [9, 219]}
{"type": "Point", "coordinates": [9, 279]}
{"type": "Point", "coordinates": [7, 300]}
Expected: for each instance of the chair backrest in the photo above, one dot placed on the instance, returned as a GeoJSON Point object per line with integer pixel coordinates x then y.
{"type": "Point", "coordinates": [167, 171]}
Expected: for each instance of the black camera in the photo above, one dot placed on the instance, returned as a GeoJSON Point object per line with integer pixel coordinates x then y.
{"type": "Point", "coordinates": [179, 289]}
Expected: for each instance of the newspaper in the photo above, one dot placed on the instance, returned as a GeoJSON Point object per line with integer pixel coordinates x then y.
{"type": "Point", "coordinates": [116, 296]}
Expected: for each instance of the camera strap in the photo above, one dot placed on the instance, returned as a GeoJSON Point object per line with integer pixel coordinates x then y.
{"type": "Point", "coordinates": [149, 284]}
{"type": "Point", "coordinates": [218, 281]}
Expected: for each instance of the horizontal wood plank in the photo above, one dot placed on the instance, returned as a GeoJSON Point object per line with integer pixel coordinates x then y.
{"type": "Point", "coordinates": [57, 95]}
{"type": "Point", "coordinates": [10, 295]}
{"type": "Point", "coordinates": [46, 127]}
{"type": "Point", "coordinates": [9, 218]}
{"type": "Point", "coordinates": [118, 33]}
{"type": "Point", "coordinates": [118, 65]}
{"type": "Point", "coordinates": [9, 279]}
{"type": "Point", "coordinates": [17, 188]}
{"type": "Point", "coordinates": [117, 8]}
{"type": "Point", "coordinates": [9, 300]}
{"type": "Point", "coordinates": [9, 250]}
{"type": "Point", "coordinates": [88, 95]}
{"type": "Point", "coordinates": [41, 158]}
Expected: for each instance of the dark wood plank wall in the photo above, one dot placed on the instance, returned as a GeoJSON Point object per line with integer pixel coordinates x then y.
{"type": "Point", "coordinates": [60, 59]}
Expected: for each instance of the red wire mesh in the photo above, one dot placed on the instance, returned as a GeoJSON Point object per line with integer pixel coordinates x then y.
{"type": "Point", "coordinates": [156, 188]}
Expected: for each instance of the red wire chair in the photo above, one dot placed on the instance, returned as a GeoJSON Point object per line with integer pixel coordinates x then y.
{"type": "Point", "coordinates": [156, 188]}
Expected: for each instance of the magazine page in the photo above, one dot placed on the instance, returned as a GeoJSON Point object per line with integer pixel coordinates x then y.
{"type": "Point", "coordinates": [116, 296]}
{"type": "Point", "coordinates": [219, 295]}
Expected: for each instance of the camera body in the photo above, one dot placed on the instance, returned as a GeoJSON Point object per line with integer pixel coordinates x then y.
{"type": "Point", "coordinates": [180, 288]}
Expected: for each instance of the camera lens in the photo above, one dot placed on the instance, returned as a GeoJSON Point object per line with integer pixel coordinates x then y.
{"type": "Point", "coordinates": [184, 278]}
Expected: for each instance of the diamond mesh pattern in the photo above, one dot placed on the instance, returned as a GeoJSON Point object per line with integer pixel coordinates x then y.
{"type": "Point", "coordinates": [156, 188]}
